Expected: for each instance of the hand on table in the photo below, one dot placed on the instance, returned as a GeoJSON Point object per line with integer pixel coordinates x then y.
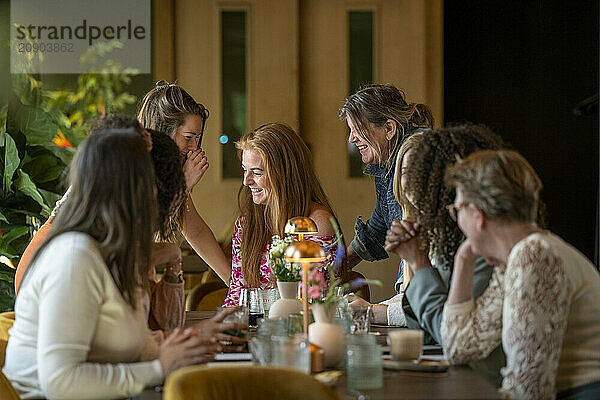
{"type": "Point", "coordinates": [194, 168]}
{"type": "Point", "coordinates": [379, 310]}
{"type": "Point", "coordinates": [356, 302]}
{"type": "Point", "coordinates": [183, 348]}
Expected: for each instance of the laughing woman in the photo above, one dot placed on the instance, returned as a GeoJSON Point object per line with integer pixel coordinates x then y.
{"type": "Point", "coordinates": [279, 183]}
{"type": "Point", "coordinates": [380, 119]}
{"type": "Point", "coordinates": [171, 109]}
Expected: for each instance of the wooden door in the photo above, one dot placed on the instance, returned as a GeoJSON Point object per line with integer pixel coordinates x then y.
{"type": "Point", "coordinates": [406, 52]}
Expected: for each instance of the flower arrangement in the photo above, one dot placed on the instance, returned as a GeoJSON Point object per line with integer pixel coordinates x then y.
{"type": "Point", "coordinates": [323, 284]}
{"type": "Point", "coordinates": [283, 270]}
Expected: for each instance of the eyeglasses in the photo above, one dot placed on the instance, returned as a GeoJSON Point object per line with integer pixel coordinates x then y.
{"type": "Point", "coordinates": [454, 208]}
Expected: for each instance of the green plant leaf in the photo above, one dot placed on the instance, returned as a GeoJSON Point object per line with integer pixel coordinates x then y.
{"type": "Point", "coordinates": [27, 89]}
{"type": "Point", "coordinates": [36, 125]}
{"type": "Point", "coordinates": [3, 218]}
{"type": "Point", "coordinates": [49, 197]}
{"type": "Point", "coordinates": [15, 233]}
{"type": "Point", "coordinates": [44, 167]}
{"type": "Point", "coordinates": [11, 161]}
{"type": "Point", "coordinates": [7, 276]}
{"type": "Point", "coordinates": [7, 250]}
{"type": "Point", "coordinates": [7, 295]}
{"type": "Point", "coordinates": [3, 117]}
{"type": "Point", "coordinates": [26, 185]}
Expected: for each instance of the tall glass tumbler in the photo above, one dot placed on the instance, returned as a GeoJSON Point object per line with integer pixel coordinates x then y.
{"type": "Point", "coordinates": [250, 298]}
{"type": "Point", "coordinates": [364, 367]}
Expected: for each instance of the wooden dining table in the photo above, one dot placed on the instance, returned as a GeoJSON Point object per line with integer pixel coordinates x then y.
{"type": "Point", "coordinates": [458, 382]}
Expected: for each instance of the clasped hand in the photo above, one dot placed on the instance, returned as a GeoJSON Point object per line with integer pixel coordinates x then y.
{"type": "Point", "coordinates": [402, 239]}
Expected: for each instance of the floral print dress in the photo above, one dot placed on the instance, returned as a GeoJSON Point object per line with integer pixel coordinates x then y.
{"type": "Point", "coordinates": [237, 278]}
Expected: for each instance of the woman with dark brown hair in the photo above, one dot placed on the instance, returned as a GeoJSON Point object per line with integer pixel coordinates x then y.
{"type": "Point", "coordinates": [167, 296]}
{"type": "Point", "coordinates": [81, 314]}
{"type": "Point", "coordinates": [428, 238]}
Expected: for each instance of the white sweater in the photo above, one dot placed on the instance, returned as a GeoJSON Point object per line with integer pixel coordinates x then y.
{"type": "Point", "coordinates": [74, 335]}
{"type": "Point", "coordinates": [544, 307]}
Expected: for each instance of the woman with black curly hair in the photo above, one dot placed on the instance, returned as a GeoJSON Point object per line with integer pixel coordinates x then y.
{"type": "Point", "coordinates": [433, 237]}
{"type": "Point", "coordinates": [427, 238]}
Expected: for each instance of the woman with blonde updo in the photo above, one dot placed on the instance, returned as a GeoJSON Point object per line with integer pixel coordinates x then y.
{"type": "Point", "coordinates": [279, 183]}
{"type": "Point", "coordinates": [169, 108]}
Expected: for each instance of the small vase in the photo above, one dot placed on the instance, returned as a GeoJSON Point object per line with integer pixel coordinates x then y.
{"type": "Point", "coordinates": [326, 335]}
{"type": "Point", "coordinates": [288, 303]}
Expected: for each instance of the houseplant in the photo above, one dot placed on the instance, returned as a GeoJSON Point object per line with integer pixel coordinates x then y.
{"type": "Point", "coordinates": [40, 129]}
{"type": "Point", "coordinates": [288, 276]}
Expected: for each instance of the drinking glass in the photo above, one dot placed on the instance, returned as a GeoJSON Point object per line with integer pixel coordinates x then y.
{"type": "Point", "coordinates": [364, 367]}
{"type": "Point", "coordinates": [295, 324]}
{"type": "Point", "coordinates": [250, 299]}
{"type": "Point", "coordinates": [239, 316]}
{"type": "Point", "coordinates": [268, 296]}
{"type": "Point", "coordinates": [291, 351]}
{"type": "Point", "coordinates": [361, 320]}
{"type": "Point", "coordinates": [260, 347]}
{"type": "Point", "coordinates": [272, 327]}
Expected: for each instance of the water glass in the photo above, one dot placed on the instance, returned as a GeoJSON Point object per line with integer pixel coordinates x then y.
{"type": "Point", "coordinates": [250, 298]}
{"type": "Point", "coordinates": [239, 316]}
{"type": "Point", "coordinates": [291, 351]}
{"type": "Point", "coordinates": [295, 324]}
{"type": "Point", "coordinates": [268, 297]}
{"type": "Point", "coordinates": [364, 366]}
{"type": "Point", "coordinates": [260, 347]}
{"type": "Point", "coordinates": [361, 320]}
{"type": "Point", "coordinates": [345, 323]}
{"type": "Point", "coordinates": [272, 327]}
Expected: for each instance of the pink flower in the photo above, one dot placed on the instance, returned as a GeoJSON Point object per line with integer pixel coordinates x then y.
{"type": "Point", "coordinates": [314, 292]}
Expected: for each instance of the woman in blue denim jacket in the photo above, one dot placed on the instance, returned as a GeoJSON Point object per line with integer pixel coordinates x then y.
{"type": "Point", "coordinates": [380, 118]}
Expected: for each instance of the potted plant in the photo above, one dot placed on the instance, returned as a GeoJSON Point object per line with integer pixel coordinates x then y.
{"type": "Point", "coordinates": [288, 276]}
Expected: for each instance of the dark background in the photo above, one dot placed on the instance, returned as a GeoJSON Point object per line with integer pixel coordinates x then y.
{"type": "Point", "coordinates": [521, 67]}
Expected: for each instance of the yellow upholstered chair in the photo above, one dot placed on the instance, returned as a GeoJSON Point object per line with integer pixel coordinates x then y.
{"type": "Point", "coordinates": [7, 392]}
{"type": "Point", "coordinates": [6, 321]}
{"type": "Point", "coordinates": [206, 297]}
{"type": "Point", "coordinates": [244, 383]}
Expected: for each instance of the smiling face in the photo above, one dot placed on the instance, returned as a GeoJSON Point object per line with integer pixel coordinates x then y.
{"type": "Point", "coordinates": [255, 176]}
{"type": "Point", "coordinates": [369, 154]}
{"type": "Point", "coordinates": [188, 135]}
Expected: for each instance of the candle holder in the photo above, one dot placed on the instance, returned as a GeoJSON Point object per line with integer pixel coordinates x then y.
{"type": "Point", "coordinates": [304, 252]}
